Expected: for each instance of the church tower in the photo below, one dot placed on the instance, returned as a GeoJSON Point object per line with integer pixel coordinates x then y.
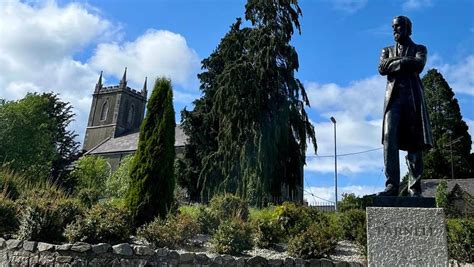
{"type": "Point", "coordinates": [115, 111]}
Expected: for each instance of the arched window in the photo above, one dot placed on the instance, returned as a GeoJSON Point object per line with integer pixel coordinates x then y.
{"type": "Point", "coordinates": [104, 111]}
{"type": "Point", "coordinates": [131, 115]}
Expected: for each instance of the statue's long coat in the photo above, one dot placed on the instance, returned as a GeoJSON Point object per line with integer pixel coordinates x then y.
{"type": "Point", "coordinates": [415, 131]}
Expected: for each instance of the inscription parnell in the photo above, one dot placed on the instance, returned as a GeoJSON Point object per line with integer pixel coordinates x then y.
{"type": "Point", "coordinates": [407, 231]}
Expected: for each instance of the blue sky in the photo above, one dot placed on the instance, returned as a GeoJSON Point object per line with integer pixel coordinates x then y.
{"type": "Point", "coordinates": [63, 45]}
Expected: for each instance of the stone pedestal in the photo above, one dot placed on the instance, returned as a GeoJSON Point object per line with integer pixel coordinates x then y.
{"type": "Point", "coordinates": [399, 236]}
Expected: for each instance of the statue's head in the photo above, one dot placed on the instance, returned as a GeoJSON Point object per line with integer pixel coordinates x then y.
{"type": "Point", "coordinates": [401, 26]}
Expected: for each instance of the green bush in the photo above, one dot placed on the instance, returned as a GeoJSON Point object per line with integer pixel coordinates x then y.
{"type": "Point", "coordinates": [352, 221]}
{"type": "Point", "coordinates": [315, 242]}
{"type": "Point", "coordinates": [173, 232]}
{"type": "Point", "coordinates": [88, 196]}
{"type": "Point", "coordinates": [295, 219]}
{"type": "Point", "coordinates": [229, 206]}
{"type": "Point", "coordinates": [8, 183]}
{"type": "Point", "coordinates": [460, 234]}
{"type": "Point", "coordinates": [351, 201]}
{"type": "Point", "coordinates": [44, 218]}
{"type": "Point", "coordinates": [267, 232]}
{"type": "Point", "coordinates": [117, 184]}
{"type": "Point", "coordinates": [208, 222]}
{"type": "Point", "coordinates": [91, 172]}
{"type": "Point", "coordinates": [8, 216]}
{"type": "Point", "coordinates": [233, 236]}
{"type": "Point", "coordinates": [102, 223]}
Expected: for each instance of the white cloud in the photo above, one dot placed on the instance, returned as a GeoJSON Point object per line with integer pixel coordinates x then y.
{"type": "Point", "coordinates": [460, 75]}
{"type": "Point", "coordinates": [318, 195]}
{"type": "Point", "coordinates": [39, 42]}
{"type": "Point", "coordinates": [155, 53]}
{"type": "Point", "coordinates": [349, 6]}
{"type": "Point", "coordinates": [416, 4]}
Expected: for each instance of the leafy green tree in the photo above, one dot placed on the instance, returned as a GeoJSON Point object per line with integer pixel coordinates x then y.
{"type": "Point", "coordinates": [152, 179]}
{"type": "Point", "coordinates": [450, 131]}
{"type": "Point", "coordinates": [91, 172]}
{"type": "Point", "coordinates": [248, 133]}
{"type": "Point", "coordinates": [34, 135]}
{"type": "Point", "coordinates": [118, 182]}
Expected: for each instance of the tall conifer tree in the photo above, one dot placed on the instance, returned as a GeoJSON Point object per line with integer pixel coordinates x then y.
{"type": "Point", "coordinates": [152, 171]}
{"type": "Point", "coordinates": [449, 131]}
{"type": "Point", "coordinates": [252, 109]}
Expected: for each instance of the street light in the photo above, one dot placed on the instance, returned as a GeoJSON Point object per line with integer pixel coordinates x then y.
{"type": "Point", "coordinates": [335, 164]}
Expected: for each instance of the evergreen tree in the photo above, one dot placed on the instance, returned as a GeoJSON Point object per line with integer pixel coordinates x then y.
{"type": "Point", "coordinates": [450, 131]}
{"type": "Point", "coordinates": [34, 136]}
{"type": "Point", "coordinates": [252, 111]}
{"type": "Point", "coordinates": [152, 170]}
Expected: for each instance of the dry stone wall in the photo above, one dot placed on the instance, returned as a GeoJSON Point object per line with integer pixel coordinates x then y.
{"type": "Point", "coordinates": [30, 253]}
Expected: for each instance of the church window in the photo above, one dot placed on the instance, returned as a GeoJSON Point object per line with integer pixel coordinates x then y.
{"type": "Point", "coordinates": [131, 115]}
{"type": "Point", "coordinates": [104, 111]}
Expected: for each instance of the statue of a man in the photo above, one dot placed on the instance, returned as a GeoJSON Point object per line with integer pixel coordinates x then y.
{"type": "Point", "coordinates": [405, 123]}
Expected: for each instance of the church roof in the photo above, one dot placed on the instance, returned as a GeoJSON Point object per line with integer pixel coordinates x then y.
{"type": "Point", "coordinates": [129, 143]}
{"type": "Point", "coordinates": [428, 186]}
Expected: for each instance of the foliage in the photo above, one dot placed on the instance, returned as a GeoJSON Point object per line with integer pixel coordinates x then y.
{"type": "Point", "coordinates": [42, 120]}
{"type": "Point", "coordinates": [441, 196]}
{"type": "Point", "coordinates": [117, 183]}
{"type": "Point", "coordinates": [460, 234]}
{"type": "Point", "coordinates": [229, 206]}
{"type": "Point", "coordinates": [354, 227]}
{"type": "Point", "coordinates": [267, 232]}
{"type": "Point", "coordinates": [247, 133]}
{"type": "Point", "coordinates": [351, 201]}
{"type": "Point", "coordinates": [207, 220]}
{"type": "Point", "coordinates": [192, 210]}
{"type": "Point", "coordinates": [295, 219]}
{"type": "Point", "coordinates": [8, 216]}
{"type": "Point", "coordinates": [450, 131]}
{"type": "Point", "coordinates": [91, 172]}
{"type": "Point", "coordinates": [105, 223]}
{"type": "Point", "coordinates": [173, 232]}
{"type": "Point", "coordinates": [152, 171]}
{"type": "Point", "coordinates": [317, 241]}
{"type": "Point", "coordinates": [88, 196]}
{"type": "Point", "coordinates": [9, 183]}
{"type": "Point", "coordinates": [45, 214]}
{"type": "Point", "coordinates": [232, 237]}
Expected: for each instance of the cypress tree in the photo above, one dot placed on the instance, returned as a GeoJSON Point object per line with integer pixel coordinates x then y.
{"type": "Point", "coordinates": [450, 131]}
{"type": "Point", "coordinates": [253, 110]}
{"type": "Point", "coordinates": [152, 170]}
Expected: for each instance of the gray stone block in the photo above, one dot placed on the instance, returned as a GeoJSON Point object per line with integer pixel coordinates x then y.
{"type": "Point", "coordinates": [257, 261]}
{"type": "Point", "coordinates": [63, 247]}
{"type": "Point", "coordinates": [81, 247]}
{"type": "Point", "coordinates": [341, 264]}
{"type": "Point", "coordinates": [406, 237]}
{"type": "Point", "coordinates": [275, 262]}
{"type": "Point", "coordinates": [162, 252]}
{"type": "Point", "coordinates": [45, 247]}
{"type": "Point", "coordinates": [123, 249]}
{"type": "Point", "coordinates": [29, 245]}
{"type": "Point", "coordinates": [64, 259]}
{"type": "Point", "coordinates": [201, 259]}
{"type": "Point", "coordinates": [326, 263]}
{"type": "Point", "coordinates": [240, 262]}
{"type": "Point", "coordinates": [288, 262]}
{"type": "Point", "coordinates": [313, 263]}
{"type": "Point", "coordinates": [143, 250]}
{"type": "Point", "coordinates": [13, 244]}
{"type": "Point", "coordinates": [2, 243]}
{"type": "Point", "coordinates": [186, 258]}
{"type": "Point", "coordinates": [299, 262]}
{"type": "Point", "coordinates": [101, 248]}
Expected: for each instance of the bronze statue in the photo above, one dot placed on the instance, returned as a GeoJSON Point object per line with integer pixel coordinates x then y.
{"type": "Point", "coordinates": [405, 123]}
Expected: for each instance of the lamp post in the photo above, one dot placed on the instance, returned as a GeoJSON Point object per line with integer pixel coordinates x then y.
{"type": "Point", "coordinates": [335, 164]}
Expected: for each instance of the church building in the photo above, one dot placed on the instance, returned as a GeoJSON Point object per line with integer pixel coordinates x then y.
{"type": "Point", "coordinates": [114, 121]}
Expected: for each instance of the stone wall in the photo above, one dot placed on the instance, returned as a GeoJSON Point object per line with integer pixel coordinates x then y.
{"type": "Point", "coordinates": [30, 253]}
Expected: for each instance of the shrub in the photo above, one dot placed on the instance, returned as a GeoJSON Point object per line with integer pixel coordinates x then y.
{"type": "Point", "coordinates": [173, 232]}
{"type": "Point", "coordinates": [208, 222]}
{"type": "Point", "coordinates": [352, 221]}
{"type": "Point", "coordinates": [267, 232]}
{"type": "Point", "coordinates": [91, 172]}
{"type": "Point", "coordinates": [102, 223]}
{"type": "Point", "coordinates": [88, 196]}
{"type": "Point", "coordinates": [8, 183]}
{"type": "Point", "coordinates": [295, 219]}
{"type": "Point", "coordinates": [229, 206]}
{"type": "Point", "coordinates": [8, 216]}
{"type": "Point", "coordinates": [44, 218]}
{"type": "Point", "coordinates": [315, 242]}
{"type": "Point", "coordinates": [232, 237]}
{"type": "Point", "coordinates": [460, 233]}
{"type": "Point", "coordinates": [117, 184]}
